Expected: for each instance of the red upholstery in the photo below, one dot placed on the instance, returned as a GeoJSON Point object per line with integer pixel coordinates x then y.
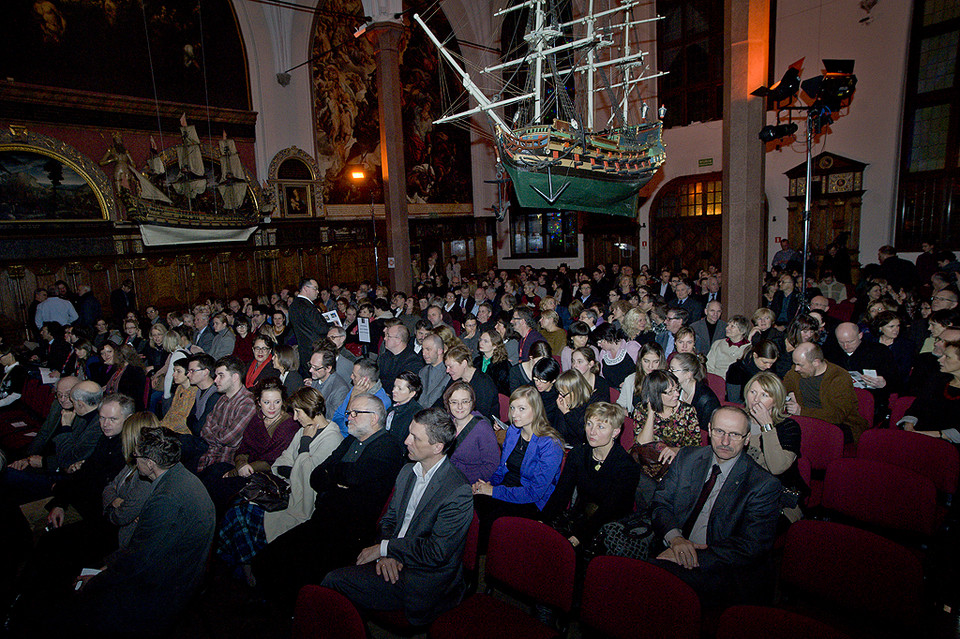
{"type": "Point", "coordinates": [614, 394]}
{"type": "Point", "coordinates": [899, 407]}
{"type": "Point", "coordinates": [881, 494]}
{"type": "Point", "coordinates": [760, 622]}
{"type": "Point", "coordinates": [842, 311]}
{"type": "Point", "coordinates": [617, 596]}
{"type": "Point", "coordinates": [718, 385]}
{"type": "Point", "coordinates": [470, 548]}
{"type": "Point", "coordinates": [936, 459]}
{"type": "Point", "coordinates": [323, 613]}
{"type": "Point", "coordinates": [852, 568]}
{"type": "Point", "coordinates": [504, 408]}
{"type": "Point", "coordinates": [820, 443]}
{"type": "Point", "coordinates": [529, 558]}
{"type": "Point", "coordinates": [865, 405]}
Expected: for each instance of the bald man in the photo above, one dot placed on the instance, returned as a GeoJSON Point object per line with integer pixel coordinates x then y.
{"type": "Point", "coordinates": [872, 361]}
{"type": "Point", "coordinates": [818, 388]}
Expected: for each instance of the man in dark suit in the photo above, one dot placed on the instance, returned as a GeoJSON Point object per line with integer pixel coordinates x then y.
{"type": "Point", "coordinates": [716, 510]}
{"type": "Point", "coordinates": [416, 567]}
{"type": "Point", "coordinates": [687, 301]}
{"type": "Point", "coordinates": [352, 485]}
{"type": "Point", "coordinates": [711, 290]}
{"type": "Point", "coordinates": [307, 321]}
{"type": "Point", "coordinates": [142, 587]}
{"type": "Point", "coordinates": [710, 328]}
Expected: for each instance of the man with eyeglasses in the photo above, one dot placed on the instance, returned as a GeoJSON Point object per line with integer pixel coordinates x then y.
{"type": "Point", "coordinates": [352, 486]}
{"type": "Point", "coordinates": [326, 381]}
{"type": "Point", "coordinates": [397, 356]}
{"type": "Point", "coordinates": [676, 319]}
{"type": "Point", "coordinates": [307, 321]}
{"type": "Point", "coordinates": [38, 454]}
{"type": "Point", "coordinates": [716, 510]}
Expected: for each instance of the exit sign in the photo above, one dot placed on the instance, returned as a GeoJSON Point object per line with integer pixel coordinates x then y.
{"type": "Point", "coordinates": [705, 162]}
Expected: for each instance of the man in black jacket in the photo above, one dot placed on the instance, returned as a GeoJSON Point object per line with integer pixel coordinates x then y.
{"type": "Point", "coordinates": [397, 356]}
{"type": "Point", "coordinates": [352, 487]}
{"type": "Point", "coordinates": [307, 321]}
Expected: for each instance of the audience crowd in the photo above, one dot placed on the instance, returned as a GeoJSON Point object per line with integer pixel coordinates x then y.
{"type": "Point", "coordinates": [272, 430]}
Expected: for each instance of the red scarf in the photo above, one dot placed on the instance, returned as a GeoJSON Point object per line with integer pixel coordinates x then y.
{"type": "Point", "coordinates": [254, 371]}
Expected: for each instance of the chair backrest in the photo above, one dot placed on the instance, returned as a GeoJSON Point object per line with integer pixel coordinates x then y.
{"type": "Point", "coordinates": [533, 559]}
{"type": "Point", "coordinates": [936, 459]}
{"type": "Point", "coordinates": [504, 407]}
{"type": "Point", "coordinates": [882, 494]}
{"type": "Point", "coordinates": [761, 622]}
{"type": "Point", "coordinates": [628, 434]}
{"type": "Point", "coordinates": [820, 442]}
{"type": "Point", "coordinates": [853, 568]}
{"type": "Point", "coordinates": [718, 385]}
{"type": "Point", "coordinates": [899, 407]}
{"type": "Point", "coordinates": [322, 613]}
{"type": "Point", "coordinates": [617, 596]}
{"type": "Point", "coordinates": [614, 395]}
{"type": "Point", "coordinates": [471, 545]}
{"type": "Point", "coordinates": [865, 405]}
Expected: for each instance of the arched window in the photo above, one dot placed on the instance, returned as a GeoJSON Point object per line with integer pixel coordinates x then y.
{"type": "Point", "coordinates": [685, 222]}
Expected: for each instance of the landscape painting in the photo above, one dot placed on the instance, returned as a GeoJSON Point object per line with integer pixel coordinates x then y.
{"type": "Point", "coordinates": [36, 187]}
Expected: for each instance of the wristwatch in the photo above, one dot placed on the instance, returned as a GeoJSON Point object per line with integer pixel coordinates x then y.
{"type": "Point", "coordinates": [766, 428]}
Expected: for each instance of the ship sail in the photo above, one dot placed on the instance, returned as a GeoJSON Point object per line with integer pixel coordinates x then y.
{"type": "Point", "coordinates": [233, 185]}
{"type": "Point", "coordinates": [193, 179]}
{"type": "Point", "coordinates": [554, 156]}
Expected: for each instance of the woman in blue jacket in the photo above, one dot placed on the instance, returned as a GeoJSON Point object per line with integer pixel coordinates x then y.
{"type": "Point", "coordinates": [529, 465]}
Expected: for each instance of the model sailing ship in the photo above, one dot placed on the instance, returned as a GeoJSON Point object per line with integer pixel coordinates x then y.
{"type": "Point", "coordinates": [206, 200]}
{"type": "Point", "coordinates": [567, 163]}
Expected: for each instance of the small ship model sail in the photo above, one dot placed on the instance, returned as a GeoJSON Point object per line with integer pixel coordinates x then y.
{"type": "Point", "coordinates": [567, 163]}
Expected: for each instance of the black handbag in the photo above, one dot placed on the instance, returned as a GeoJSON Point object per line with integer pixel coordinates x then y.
{"type": "Point", "coordinates": [268, 491]}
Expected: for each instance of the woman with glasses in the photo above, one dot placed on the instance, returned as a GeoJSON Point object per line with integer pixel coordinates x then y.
{"type": "Point", "coordinates": [601, 473]}
{"type": "Point", "coordinates": [775, 438]}
{"type": "Point", "coordinates": [529, 465]}
{"type": "Point", "coordinates": [261, 367]}
{"type": "Point", "coordinates": [460, 368]}
{"type": "Point", "coordinates": [649, 359]}
{"type": "Point", "coordinates": [476, 452]}
{"type": "Point", "coordinates": [692, 377]}
{"type": "Point", "coordinates": [243, 344]}
{"type": "Point", "coordinates": [664, 423]}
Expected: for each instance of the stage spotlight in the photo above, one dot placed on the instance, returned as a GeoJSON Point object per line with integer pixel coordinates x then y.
{"type": "Point", "coordinates": [786, 88]}
{"type": "Point", "coordinates": [775, 132]}
{"type": "Point", "coordinates": [834, 87]}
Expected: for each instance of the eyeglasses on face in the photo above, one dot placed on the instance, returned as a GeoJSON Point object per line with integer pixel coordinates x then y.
{"type": "Point", "coordinates": [720, 434]}
{"type": "Point", "coordinates": [354, 413]}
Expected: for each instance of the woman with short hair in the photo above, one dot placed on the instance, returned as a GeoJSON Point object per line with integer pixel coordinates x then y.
{"type": "Point", "coordinates": [286, 360]}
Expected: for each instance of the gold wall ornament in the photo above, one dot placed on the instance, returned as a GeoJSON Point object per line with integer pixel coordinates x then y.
{"type": "Point", "coordinates": [46, 268]}
{"type": "Point", "coordinates": [73, 268]}
{"type": "Point", "coordinates": [16, 271]}
{"type": "Point", "coordinates": [141, 263]}
{"type": "Point", "coordinates": [98, 267]}
{"type": "Point", "coordinates": [223, 257]}
{"type": "Point", "coordinates": [19, 140]}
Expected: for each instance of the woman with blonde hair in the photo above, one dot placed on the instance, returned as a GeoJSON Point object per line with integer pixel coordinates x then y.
{"type": "Point", "coordinates": [636, 325]}
{"type": "Point", "coordinates": [529, 465]}
{"type": "Point", "coordinates": [775, 439]}
{"type": "Point", "coordinates": [573, 396]}
{"type": "Point", "coordinates": [448, 336]}
{"type": "Point", "coordinates": [123, 497]}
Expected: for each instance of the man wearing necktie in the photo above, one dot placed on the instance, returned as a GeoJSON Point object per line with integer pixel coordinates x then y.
{"type": "Point", "coordinates": [716, 510]}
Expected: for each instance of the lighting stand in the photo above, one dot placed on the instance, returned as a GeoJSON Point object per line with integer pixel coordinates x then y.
{"type": "Point", "coordinates": [376, 253]}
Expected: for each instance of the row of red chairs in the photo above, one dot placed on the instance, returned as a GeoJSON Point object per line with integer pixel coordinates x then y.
{"type": "Point", "coordinates": [35, 402]}
{"type": "Point", "coordinates": [837, 566]}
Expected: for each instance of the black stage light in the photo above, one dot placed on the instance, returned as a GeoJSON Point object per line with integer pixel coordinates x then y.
{"type": "Point", "coordinates": [775, 132]}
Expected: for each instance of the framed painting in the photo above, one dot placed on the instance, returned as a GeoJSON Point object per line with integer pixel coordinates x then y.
{"type": "Point", "coordinates": [297, 201]}
{"type": "Point", "coordinates": [45, 180]}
